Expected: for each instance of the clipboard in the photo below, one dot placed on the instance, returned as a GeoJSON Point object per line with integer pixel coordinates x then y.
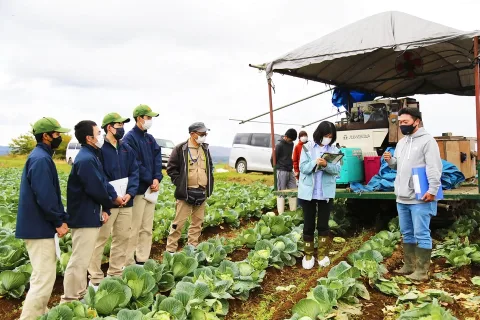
{"type": "Point", "coordinates": [332, 157]}
{"type": "Point", "coordinates": [120, 186]}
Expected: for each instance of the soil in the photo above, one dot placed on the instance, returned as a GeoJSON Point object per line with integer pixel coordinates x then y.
{"type": "Point", "coordinates": [268, 303]}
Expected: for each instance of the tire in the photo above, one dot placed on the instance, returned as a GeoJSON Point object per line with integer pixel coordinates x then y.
{"type": "Point", "coordinates": [70, 162]}
{"type": "Point", "coordinates": [241, 166]}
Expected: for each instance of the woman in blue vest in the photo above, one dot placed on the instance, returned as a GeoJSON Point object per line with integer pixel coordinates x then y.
{"type": "Point", "coordinates": [316, 187]}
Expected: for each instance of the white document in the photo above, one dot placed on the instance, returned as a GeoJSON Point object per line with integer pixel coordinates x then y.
{"type": "Point", "coordinates": [120, 186]}
{"type": "Point", "coordinates": [416, 184]}
{"type": "Point", "coordinates": [151, 196]}
{"type": "Point", "coordinates": [57, 246]}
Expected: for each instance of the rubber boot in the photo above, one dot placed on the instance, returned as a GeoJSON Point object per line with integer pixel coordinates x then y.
{"type": "Point", "coordinates": [324, 245]}
{"type": "Point", "coordinates": [308, 260]}
{"type": "Point", "coordinates": [408, 259]}
{"type": "Point", "coordinates": [422, 265]}
{"type": "Point", "coordinates": [280, 205]}
{"type": "Point", "coordinates": [292, 204]}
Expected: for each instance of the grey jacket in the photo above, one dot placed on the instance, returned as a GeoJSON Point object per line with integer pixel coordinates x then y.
{"type": "Point", "coordinates": [417, 150]}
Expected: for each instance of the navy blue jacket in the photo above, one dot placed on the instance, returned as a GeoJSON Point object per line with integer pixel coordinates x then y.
{"type": "Point", "coordinates": [118, 164]}
{"type": "Point", "coordinates": [149, 157]}
{"type": "Point", "coordinates": [40, 208]}
{"type": "Point", "coordinates": [87, 190]}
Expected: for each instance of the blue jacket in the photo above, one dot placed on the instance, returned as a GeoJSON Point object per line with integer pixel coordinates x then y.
{"type": "Point", "coordinates": [40, 208]}
{"type": "Point", "coordinates": [306, 182]}
{"type": "Point", "coordinates": [120, 163]}
{"type": "Point", "coordinates": [149, 157]}
{"type": "Point", "coordinates": [87, 190]}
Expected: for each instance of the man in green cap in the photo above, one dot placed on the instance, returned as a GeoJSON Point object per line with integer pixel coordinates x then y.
{"type": "Point", "coordinates": [41, 215]}
{"type": "Point", "coordinates": [119, 162]}
{"type": "Point", "coordinates": [149, 159]}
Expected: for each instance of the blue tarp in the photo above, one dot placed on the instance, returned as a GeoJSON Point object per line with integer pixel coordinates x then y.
{"type": "Point", "coordinates": [383, 181]}
{"type": "Point", "coordinates": [341, 97]}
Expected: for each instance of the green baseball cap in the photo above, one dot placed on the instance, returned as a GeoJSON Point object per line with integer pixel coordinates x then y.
{"type": "Point", "coordinates": [144, 110]}
{"type": "Point", "coordinates": [113, 117]}
{"type": "Point", "coordinates": [48, 125]}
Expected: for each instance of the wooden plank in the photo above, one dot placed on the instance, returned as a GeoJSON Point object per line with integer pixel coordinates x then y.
{"type": "Point", "coordinates": [393, 128]}
{"type": "Point", "coordinates": [441, 147]}
{"type": "Point", "coordinates": [452, 152]}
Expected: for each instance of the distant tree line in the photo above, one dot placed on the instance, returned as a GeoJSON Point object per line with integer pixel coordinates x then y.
{"type": "Point", "coordinates": [25, 143]}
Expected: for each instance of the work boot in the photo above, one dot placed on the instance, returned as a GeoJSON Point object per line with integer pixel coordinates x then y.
{"type": "Point", "coordinates": [280, 205]}
{"type": "Point", "coordinates": [292, 204]}
{"type": "Point", "coordinates": [408, 259]}
{"type": "Point", "coordinates": [422, 264]}
{"type": "Point", "coordinates": [324, 244]}
{"type": "Point", "coordinates": [308, 260]}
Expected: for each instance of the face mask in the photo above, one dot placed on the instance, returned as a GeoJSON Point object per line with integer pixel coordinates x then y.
{"type": "Point", "coordinates": [147, 124]}
{"type": "Point", "coordinates": [201, 140]}
{"type": "Point", "coordinates": [326, 141]}
{"type": "Point", "coordinates": [55, 143]}
{"type": "Point", "coordinates": [407, 129]}
{"type": "Point", "coordinates": [304, 139]}
{"type": "Point", "coordinates": [100, 141]}
{"type": "Point", "coordinates": [119, 134]}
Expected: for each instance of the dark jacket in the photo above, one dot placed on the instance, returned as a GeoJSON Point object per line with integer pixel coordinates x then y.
{"type": "Point", "coordinates": [283, 153]}
{"type": "Point", "coordinates": [149, 157]}
{"type": "Point", "coordinates": [177, 170]}
{"type": "Point", "coordinates": [118, 164]}
{"type": "Point", "coordinates": [40, 208]}
{"type": "Point", "coordinates": [87, 190]}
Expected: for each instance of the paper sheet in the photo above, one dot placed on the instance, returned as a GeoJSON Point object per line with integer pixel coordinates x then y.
{"type": "Point", "coordinates": [120, 186]}
{"type": "Point", "coordinates": [151, 196]}
{"type": "Point", "coordinates": [58, 252]}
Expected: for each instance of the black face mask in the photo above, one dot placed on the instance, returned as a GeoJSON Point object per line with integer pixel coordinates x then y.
{"type": "Point", "coordinates": [119, 134]}
{"type": "Point", "coordinates": [407, 129]}
{"type": "Point", "coordinates": [55, 143]}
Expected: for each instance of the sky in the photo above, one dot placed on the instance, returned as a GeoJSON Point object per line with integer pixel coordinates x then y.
{"type": "Point", "coordinates": [187, 60]}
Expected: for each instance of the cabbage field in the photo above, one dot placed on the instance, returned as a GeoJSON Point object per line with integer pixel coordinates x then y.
{"type": "Point", "coordinates": [248, 266]}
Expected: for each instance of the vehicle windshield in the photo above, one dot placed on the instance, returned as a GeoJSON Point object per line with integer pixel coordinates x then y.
{"type": "Point", "coordinates": [165, 143]}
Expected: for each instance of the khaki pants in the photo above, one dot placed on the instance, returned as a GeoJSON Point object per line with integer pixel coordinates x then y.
{"type": "Point", "coordinates": [184, 210]}
{"type": "Point", "coordinates": [44, 264]}
{"type": "Point", "coordinates": [75, 279]}
{"type": "Point", "coordinates": [140, 242]}
{"type": "Point", "coordinates": [119, 226]}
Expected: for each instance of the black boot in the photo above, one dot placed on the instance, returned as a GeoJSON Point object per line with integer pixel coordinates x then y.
{"type": "Point", "coordinates": [408, 259]}
{"type": "Point", "coordinates": [423, 264]}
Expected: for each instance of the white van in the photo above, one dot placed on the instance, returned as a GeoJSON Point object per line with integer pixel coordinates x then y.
{"type": "Point", "coordinates": [167, 148]}
{"type": "Point", "coordinates": [252, 152]}
{"type": "Point", "coordinates": [72, 150]}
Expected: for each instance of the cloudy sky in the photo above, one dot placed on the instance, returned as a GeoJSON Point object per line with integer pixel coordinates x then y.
{"type": "Point", "coordinates": [188, 60]}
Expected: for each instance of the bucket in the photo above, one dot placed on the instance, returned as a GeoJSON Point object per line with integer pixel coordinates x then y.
{"type": "Point", "coordinates": [372, 166]}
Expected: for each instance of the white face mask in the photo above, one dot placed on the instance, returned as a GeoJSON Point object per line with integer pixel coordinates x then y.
{"type": "Point", "coordinates": [100, 141]}
{"type": "Point", "coordinates": [201, 140]}
{"type": "Point", "coordinates": [304, 139]}
{"type": "Point", "coordinates": [147, 124]}
{"type": "Point", "coordinates": [326, 141]}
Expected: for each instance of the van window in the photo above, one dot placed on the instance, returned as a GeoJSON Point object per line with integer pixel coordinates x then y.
{"type": "Point", "coordinates": [260, 140]}
{"type": "Point", "coordinates": [72, 145]}
{"type": "Point", "coordinates": [241, 138]}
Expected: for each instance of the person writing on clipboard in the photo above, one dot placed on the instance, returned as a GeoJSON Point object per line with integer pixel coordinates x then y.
{"type": "Point", "coordinates": [316, 189]}
{"type": "Point", "coordinates": [119, 164]}
{"type": "Point", "coordinates": [88, 207]}
{"type": "Point", "coordinates": [416, 149]}
{"type": "Point", "coordinates": [191, 169]}
{"type": "Point", "coordinates": [41, 215]}
{"type": "Point", "coordinates": [149, 159]}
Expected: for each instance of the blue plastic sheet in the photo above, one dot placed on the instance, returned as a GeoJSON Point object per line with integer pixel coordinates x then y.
{"type": "Point", "coordinates": [341, 97]}
{"type": "Point", "coordinates": [383, 181]}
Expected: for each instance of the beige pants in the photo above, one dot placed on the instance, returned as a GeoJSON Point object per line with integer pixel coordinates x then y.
{"type": "Point", "coordinates": [185, 210]}
{"type": "Point", "coordinates": [75, 279]}
{"type": "Point", "coordinates": [140, 242]}
{"type": "Point", "coordinates": [44, 263]}
{"type": "Point", "coordinates": [119, 226]}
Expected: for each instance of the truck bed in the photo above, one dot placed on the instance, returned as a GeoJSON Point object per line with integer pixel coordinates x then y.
{"type": "Point", "coordinates": [469, 192]}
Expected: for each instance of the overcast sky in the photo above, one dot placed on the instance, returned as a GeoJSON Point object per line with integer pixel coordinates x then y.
{"type": "Point", "coordinates": [188, 60]}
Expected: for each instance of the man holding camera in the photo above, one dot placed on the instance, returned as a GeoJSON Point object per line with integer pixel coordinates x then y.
{"type": "Point", "coordinates": [191, 169]}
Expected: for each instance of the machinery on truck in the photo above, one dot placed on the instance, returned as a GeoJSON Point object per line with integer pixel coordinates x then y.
{"type": "Point", "coordinates": [389, 55]}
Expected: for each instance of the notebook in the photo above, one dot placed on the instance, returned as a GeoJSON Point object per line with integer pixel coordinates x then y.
{"type": "Point", "coordinates": [420, 183]}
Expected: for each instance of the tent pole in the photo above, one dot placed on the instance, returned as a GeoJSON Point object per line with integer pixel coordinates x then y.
{"type": "Point", "coordinates": [272, 133]}
{"type": "Point", "coordinates": [477, 98]}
